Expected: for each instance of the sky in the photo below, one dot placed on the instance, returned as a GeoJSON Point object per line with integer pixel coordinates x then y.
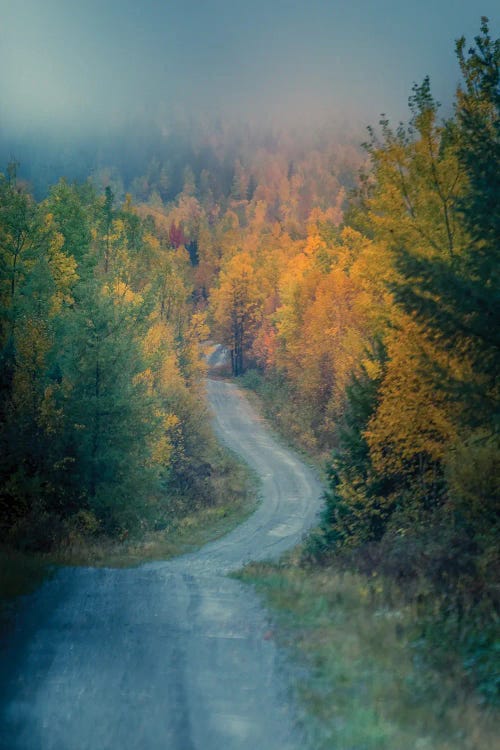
{"type": "Point", "coordinates": [84, 66]}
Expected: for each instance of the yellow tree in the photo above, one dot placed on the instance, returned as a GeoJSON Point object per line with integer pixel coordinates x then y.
{"type": "Point", "coordinates": [418, 181]}
{"type": "Point", "coordinates": [413, 425]}
{"type": "Point", "coordinates": [236, 308]}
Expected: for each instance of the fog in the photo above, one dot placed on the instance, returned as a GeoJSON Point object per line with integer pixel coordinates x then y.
{"type": "Point", "coordinates": [77, 72]}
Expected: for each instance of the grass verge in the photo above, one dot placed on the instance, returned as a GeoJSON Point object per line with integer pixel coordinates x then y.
{"type": "Point", "coordinates": [236, 489]}
{"type": "Point", "coordinates": [365, 686]}
{"type": "Point", "coordinates": [282, 420]}
{"type": "Point", "coordinates": [22, 572]}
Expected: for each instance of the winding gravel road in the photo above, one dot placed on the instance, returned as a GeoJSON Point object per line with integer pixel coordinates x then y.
{"type": "Point", "coordinates": [170, 655]}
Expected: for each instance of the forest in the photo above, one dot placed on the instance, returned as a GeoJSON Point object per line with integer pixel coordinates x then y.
{"type": "Point", "coordinates": [357, 292]}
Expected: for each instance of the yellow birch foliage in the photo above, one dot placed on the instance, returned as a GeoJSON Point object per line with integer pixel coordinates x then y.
{"type": "Point", "coordinates": [62, 266]}
{"type": "Point", "coordinates": [164, 445]}
{"type": "Point", "coordinates": [166, 384]}
{"type": "Point", "coordinates": [32, 345]}
{"type": "Point", "coordinates": [418, 181]}
{"type": "Point", "coordinates": [413, 421]}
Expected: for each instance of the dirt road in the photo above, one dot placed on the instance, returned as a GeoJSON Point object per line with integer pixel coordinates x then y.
{"type": "Point", "coordinates": [171, 655]}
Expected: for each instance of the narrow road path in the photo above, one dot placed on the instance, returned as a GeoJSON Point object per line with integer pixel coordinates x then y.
{"type": "Point", "coordinates": [171, 655]}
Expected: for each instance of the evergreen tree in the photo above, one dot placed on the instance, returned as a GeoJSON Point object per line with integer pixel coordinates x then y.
{"type": "Point", "coordinates": [357, 507]}
{"type": "Point", "coordinates": [108, 413]}
{"type": "Point", "coordinates": [459, 300]}
{"type": "Point", "coordinates": [18, 235]}
{"type": "Point", "coordinates": [107, 216]}
{"type": "Point", "coordinates": [71, 207]}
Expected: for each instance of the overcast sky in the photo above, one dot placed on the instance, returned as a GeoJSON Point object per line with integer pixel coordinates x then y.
{"type": "Point", "coordinates": [91, 64]}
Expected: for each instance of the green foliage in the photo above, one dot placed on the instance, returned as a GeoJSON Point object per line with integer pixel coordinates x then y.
{"type": "Point", "coordinates": [367, 678]}
{"type": "Point", "coordinates": [478, 121]}
{"type": "Point", "coordinates": [459, 301]}
{"type": "Point", "coordinates": [356, 507]}
{"type": "Point", "coordinates": [71, 207]}
{"type": "Point", "coordinates": [18, 233]}
{"type": "Point", "coordinates": [101, 420]}
{"type": "Point", "coordinates": [472, 471]}
{"type": "Point", "coordinates": [108, 414]}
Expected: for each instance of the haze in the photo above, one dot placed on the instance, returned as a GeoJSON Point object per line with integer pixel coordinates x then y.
{"type": "Point", "coordinates": [75, 70]}
{"type": "Point", "coordinates": [90, 63]}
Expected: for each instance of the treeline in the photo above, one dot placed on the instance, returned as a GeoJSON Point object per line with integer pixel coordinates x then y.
{"type": "Point", "coordinates": [214, 161]}
{"type": "Point", "coordinates": [102, 416]}
{"type": "Point", "coordinates": [375, 341]}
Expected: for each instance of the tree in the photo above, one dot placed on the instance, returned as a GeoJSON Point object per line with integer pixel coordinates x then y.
{"type": "Point", "coordinates": [458, 300]}
{"type": "Point", "coordinates": [44, 286]}
{"type": "Point", "coordinates": [359, 501]}
{"type": "Point", "coordinates": [176, 235]}
{"type": "Point", "coordinates": [413, 423]}
{"type": "Point", "coordinates": [71, 207]}
{"type": "Point", "coordinates": [418, 182]}
{"type": "Point", "coordinates": [107, 216]}
{"type": "Point", "coordinates": [332, 305]}
{"type": "Point", "coordinates": [101, 371]}
{"type": "Point", "coordinates": [18, 235]}
{"type": "Point", "coordinates": [236, 309]}
{"type": "Point", "coordinates": [108, 414]}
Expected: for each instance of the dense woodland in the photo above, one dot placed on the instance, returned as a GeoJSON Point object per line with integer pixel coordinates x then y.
{"type": "Point", "coordinates": [363, 309]}
{"type": "Point", "coordinates": [102, 399]}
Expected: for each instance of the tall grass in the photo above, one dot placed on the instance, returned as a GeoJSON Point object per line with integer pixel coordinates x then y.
{"type": "Point", "coordinates": [366, 686]}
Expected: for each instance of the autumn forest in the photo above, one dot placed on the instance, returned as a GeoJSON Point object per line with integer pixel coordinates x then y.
{"type": "Point", "coordinates": [355, 289]}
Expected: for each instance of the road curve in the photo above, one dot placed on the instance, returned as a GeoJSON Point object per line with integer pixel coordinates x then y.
{"type": "Point", "coordinates": [170, 655]}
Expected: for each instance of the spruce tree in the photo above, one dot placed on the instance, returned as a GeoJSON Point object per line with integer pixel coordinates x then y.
{"type": "Point", "coordinates": [108, 413]}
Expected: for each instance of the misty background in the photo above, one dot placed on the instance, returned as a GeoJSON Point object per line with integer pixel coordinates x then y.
{"type": "Point", "coordinates": [86, 83]}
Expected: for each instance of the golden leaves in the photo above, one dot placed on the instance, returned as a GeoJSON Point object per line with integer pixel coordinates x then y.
{"type": "Point", "coordinates": [413, 420]}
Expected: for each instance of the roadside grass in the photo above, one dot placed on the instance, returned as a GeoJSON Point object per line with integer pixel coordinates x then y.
{"type": "Point", "coordinates": [238, 494]}
{"type": "Point", "coordinates": [281, 420]}
{"type": "Point", "coordinates": [365, 685]}
{"type": "Point", "coordinates": [182, 535]}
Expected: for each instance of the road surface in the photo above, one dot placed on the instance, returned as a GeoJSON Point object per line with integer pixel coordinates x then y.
{"type": "Point", "coordinates": [171, 655]}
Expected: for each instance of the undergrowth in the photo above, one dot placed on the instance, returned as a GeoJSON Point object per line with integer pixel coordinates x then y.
{"type": "Point", "coordinates": [449, 638]}
{"type": "Point", "coordinates": [178, 526]}
{"type": "Point", "coordinates": [368, 685]}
